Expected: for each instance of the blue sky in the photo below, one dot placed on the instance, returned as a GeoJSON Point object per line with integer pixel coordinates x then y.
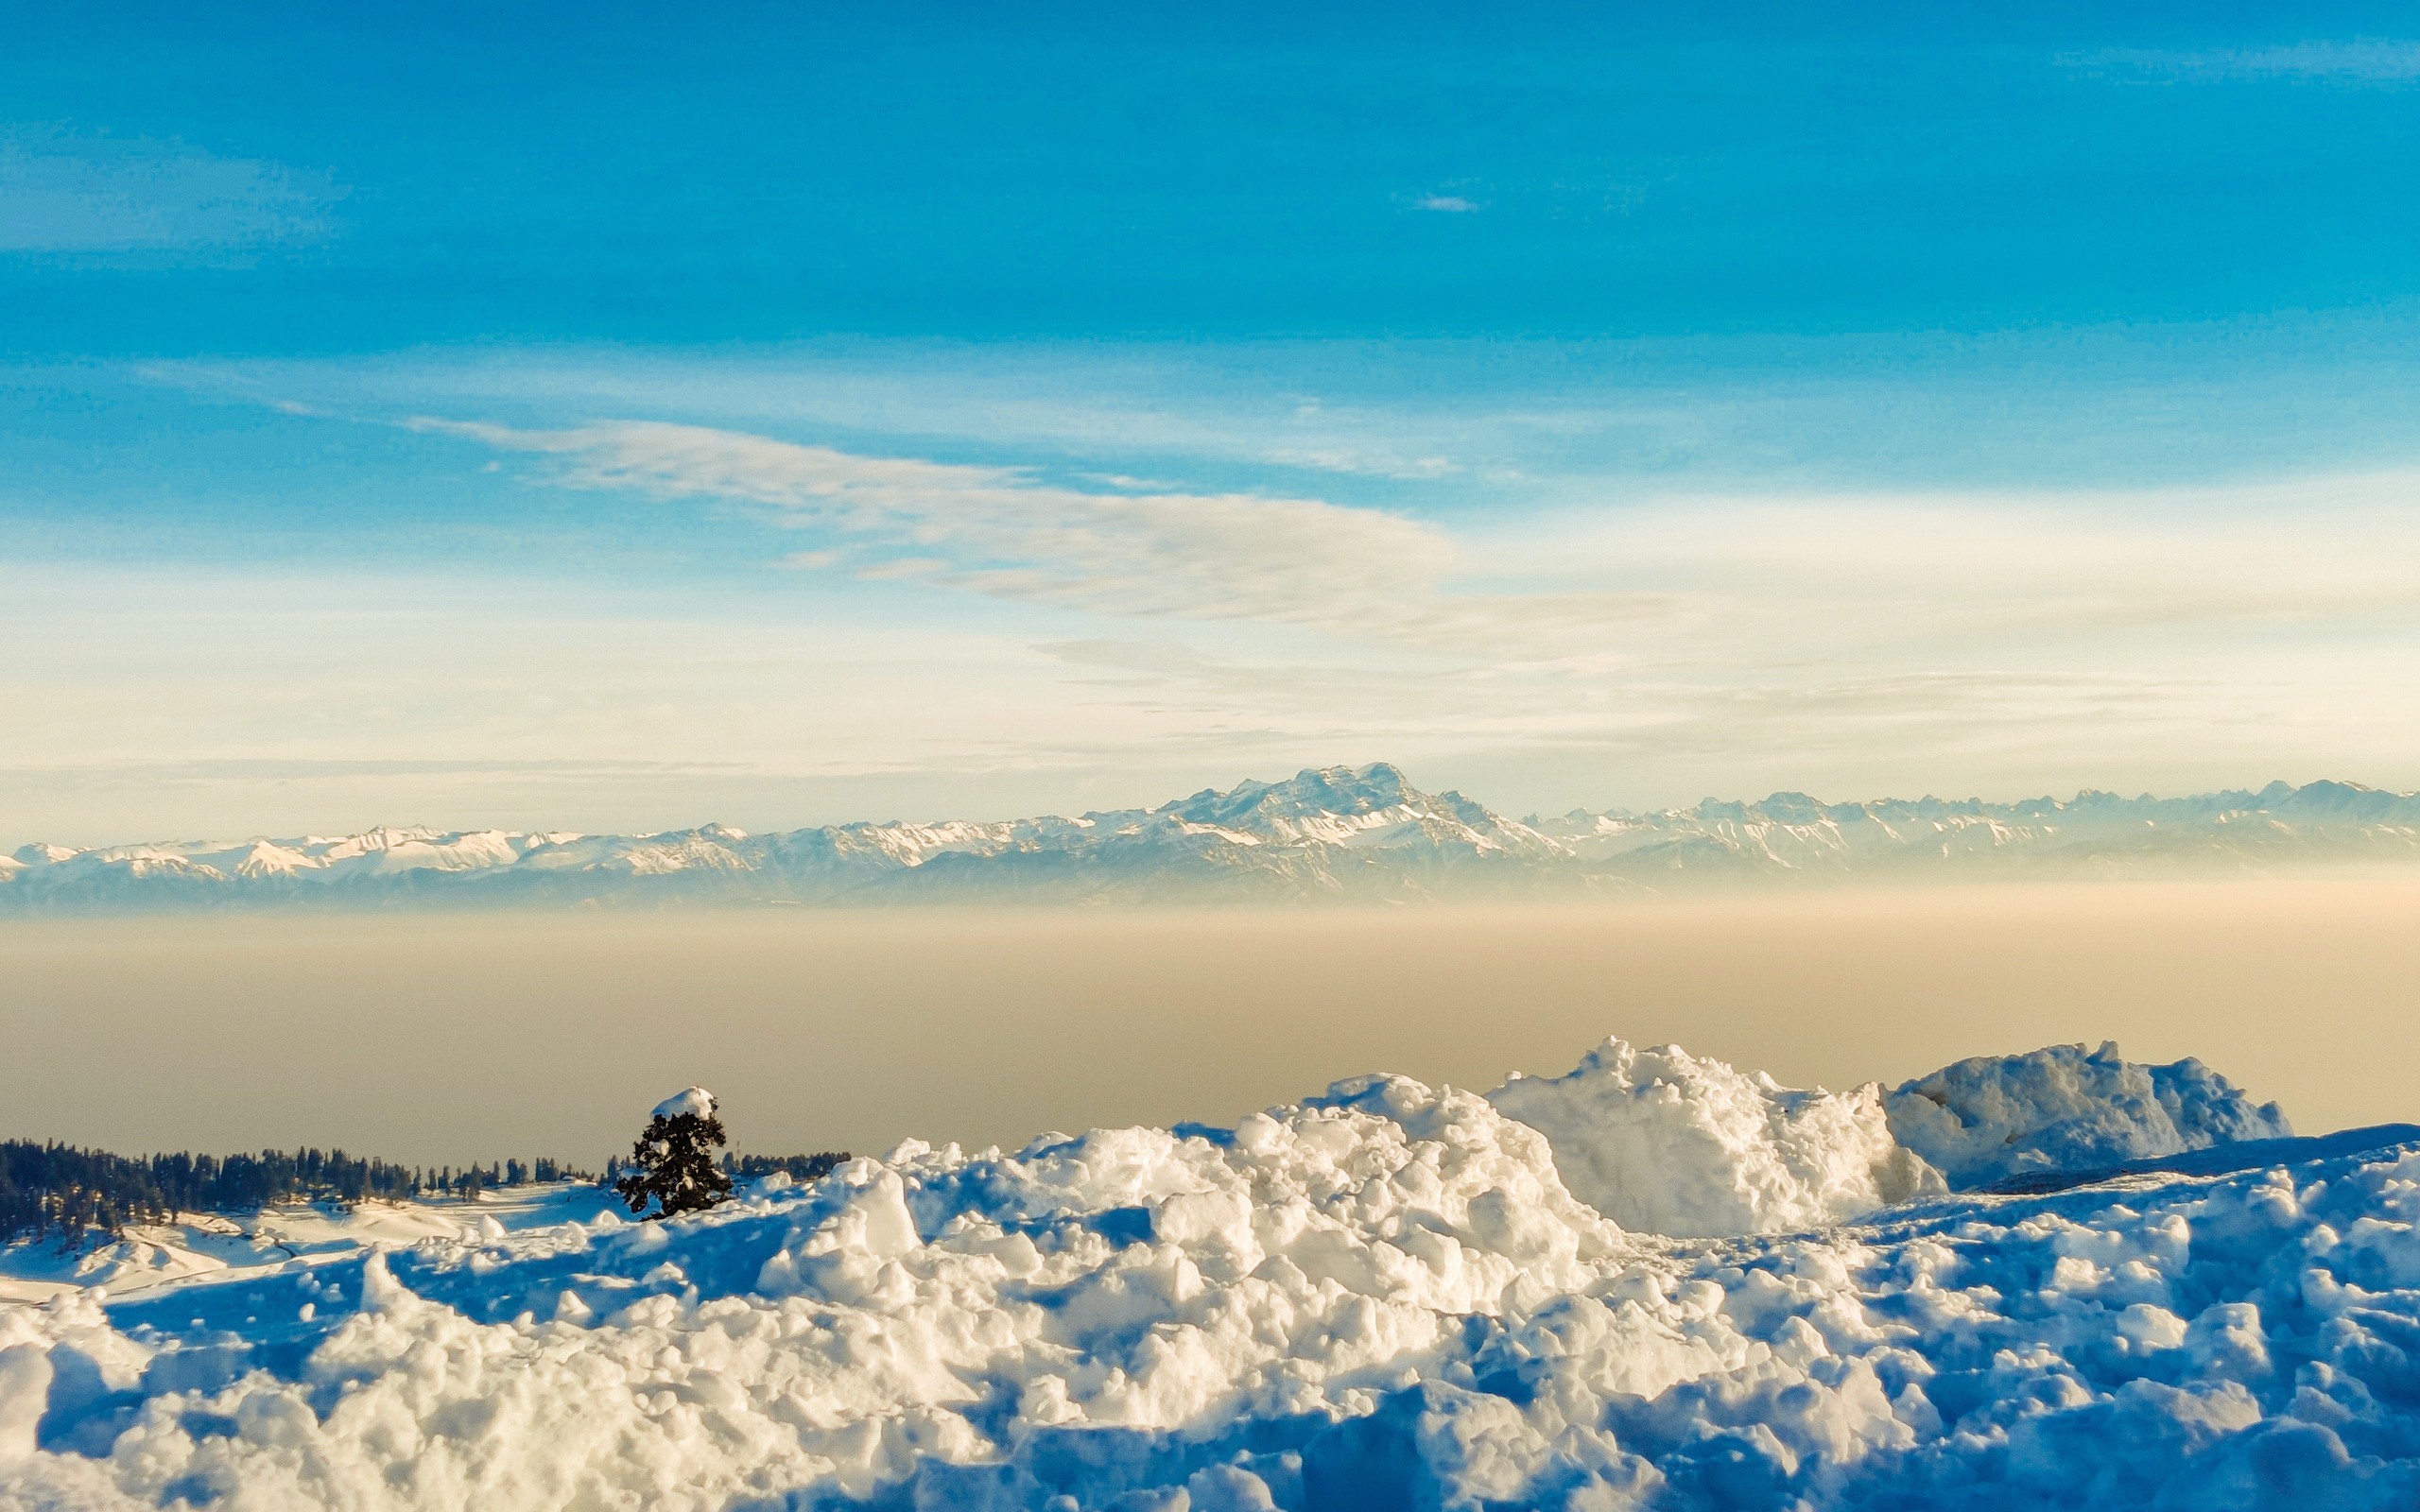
{"type": "Point", "coordinates": [587, 417]}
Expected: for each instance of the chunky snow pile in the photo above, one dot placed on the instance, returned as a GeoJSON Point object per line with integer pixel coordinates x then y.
{"type": "Point", "coordinates": [2064, 1109]}
{"type": "Point", "coordinates": [1660, 1141]}
{"type": "Point", "coordinates": [1386, 1297]}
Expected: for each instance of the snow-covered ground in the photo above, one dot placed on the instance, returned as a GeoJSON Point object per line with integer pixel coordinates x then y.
{"type": "Point", "coordinates": [1385, 1297]}
{"type": "Point", "coordinates": [217, 1247]}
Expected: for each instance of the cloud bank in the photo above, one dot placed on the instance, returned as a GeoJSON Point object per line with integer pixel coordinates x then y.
{"type": "Point", "coordinates": [838, 601]}
{"type": "Point", "coordinates": [1674, 580]}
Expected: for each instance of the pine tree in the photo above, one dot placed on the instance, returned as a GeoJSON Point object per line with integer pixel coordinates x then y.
{"type": "Point", "coordinates": [674, 1159]}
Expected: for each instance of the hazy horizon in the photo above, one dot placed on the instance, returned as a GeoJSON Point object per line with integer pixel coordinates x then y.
{"type": "Point", "coordinates": [453, 1039]}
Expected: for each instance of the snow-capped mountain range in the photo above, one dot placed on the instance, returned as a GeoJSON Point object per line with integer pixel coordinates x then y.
{"type": "Point", "coordinates": [1334, 834]}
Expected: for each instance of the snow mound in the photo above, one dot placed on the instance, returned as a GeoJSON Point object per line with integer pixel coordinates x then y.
{"type": "Point", "coordinates": [1381, 1186]}
{"type": "Point", "coordinates": [2062, 1109]}
{"type": "Point", "coordinates": [1389, 1298]}
{"type": "Point", "coordinates": [1661, 1140]}
{"type": "Point", "coordinates": [694, 1099]}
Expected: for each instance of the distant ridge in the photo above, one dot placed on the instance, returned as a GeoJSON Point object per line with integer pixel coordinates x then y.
{"type": "Point", "coordinates": [1337, 833]}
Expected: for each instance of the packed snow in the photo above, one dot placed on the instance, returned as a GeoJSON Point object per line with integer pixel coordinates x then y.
{"type": "Point", "coordinates": [2062, 1109]}
{"type": "Point", "coordinates": [1661, 1141]}
{"type": "Point", "coordinates": [1657, 1282]}
{"type": "Point", "coordinates": [691, 1100]}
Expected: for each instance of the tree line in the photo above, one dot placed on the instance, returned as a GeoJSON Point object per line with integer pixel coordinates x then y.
{"type": "Point", "coordinates": [53, 1189]}
{"type": "Point", "coordinates": [48, 1189]}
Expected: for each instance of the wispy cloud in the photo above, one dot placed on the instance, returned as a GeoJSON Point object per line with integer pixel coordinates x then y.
{"type": "Point", "coordinates": [1447, 204]}
{"type": "Point", "coordinates": [1679, 585]}
{"type": "Point", "coordinates": [1003, 533]}
{"type": "Point", "coordinates": [1660, 649]}
{"type": "Point", "coordinates": [63, 194]}
{"type": "Point", "coordinates": [1350, 460]}
{"type": "Point", "coordinates": [1067, 615]}
{"type": "Point", "coordinates": [1502, 427]}
{"type": "Point", "coordinates": [2364, 61]}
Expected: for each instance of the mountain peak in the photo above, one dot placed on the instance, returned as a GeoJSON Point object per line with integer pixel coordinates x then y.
{"type": "Point", "coordinates": [1350, 789]}
{"type": "Point", "coordinates": [1349, 792]}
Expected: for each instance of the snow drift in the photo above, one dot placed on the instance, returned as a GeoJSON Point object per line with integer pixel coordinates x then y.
{"type": "Point", "coordinates": [2061, 1109]}
{"type": "Point", "coordinates": [1387, 1296]}
{"type": "Point", "coordinates": [1660, 1141]}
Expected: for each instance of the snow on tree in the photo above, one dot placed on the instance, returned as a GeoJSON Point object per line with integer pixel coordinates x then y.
{"type": "Point", "coordinates": [673, 1161]}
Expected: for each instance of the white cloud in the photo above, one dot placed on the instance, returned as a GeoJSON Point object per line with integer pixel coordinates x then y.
{"type": "Point", "coordinates": [1696, 582]}
{"type": "Point", "coordinates": [1003, 533]}
{"type": "Point", "coordinates": [1658, 651]}
{"type": "Point", "coordinates": [1447, 204]}
{"type": "Point", "coordinates": [1349, 460]}
{"type": "Point", "coordinates": [1641, 645]}
{"type": "Point", "coordinates": [1831, 640]}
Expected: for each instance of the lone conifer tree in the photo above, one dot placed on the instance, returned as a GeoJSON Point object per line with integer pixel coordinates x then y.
{"type": "Point", "coordinates": [674, 1161]}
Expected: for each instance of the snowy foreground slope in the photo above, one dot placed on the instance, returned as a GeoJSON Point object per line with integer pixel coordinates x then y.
{"type": "Point", "coordinates": [1338, 834]}
{"type": "Point", "coordinates": [1386, 1297]}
